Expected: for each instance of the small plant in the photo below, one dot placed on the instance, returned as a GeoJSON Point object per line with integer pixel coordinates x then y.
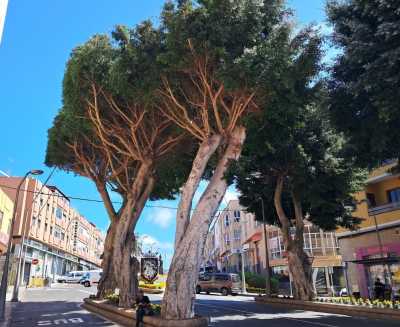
{"type": "Point", "coordinates": [112, 298]}
{"type": "Point", "coordinates": [156, 309]}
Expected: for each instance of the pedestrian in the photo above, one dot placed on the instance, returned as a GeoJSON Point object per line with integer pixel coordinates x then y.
{"type": "Point", "coordinates": [379, 289]}
{"type": "Point", "coordinates": [143, 307]}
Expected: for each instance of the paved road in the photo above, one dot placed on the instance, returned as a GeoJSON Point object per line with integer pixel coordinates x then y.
{"type": "Point", "coordinates": [60, 305]}
{"type": "Point", "coordinates": [55, 306]}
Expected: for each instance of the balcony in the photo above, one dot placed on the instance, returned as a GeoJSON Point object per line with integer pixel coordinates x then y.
{"type": "Point", "coordinates": [388, 207]}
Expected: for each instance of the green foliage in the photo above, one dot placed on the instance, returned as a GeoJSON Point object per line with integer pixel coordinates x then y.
{"type": "Point", "coordinates": [112, 298]}
{"type": "Point", "coordinates": [257, 281]}
{"type": "Point", "coordinates": [127, 67]}
{"type": "Point", "coordinates": [292, 138]}
{"type": "Point", "coordinates": [365, 79]}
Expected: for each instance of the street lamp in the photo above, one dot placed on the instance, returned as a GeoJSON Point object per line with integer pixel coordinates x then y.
{"type": "Point", "coordinates": [267, 268]}
{"type": "Point", "coordinates": [4, 278]}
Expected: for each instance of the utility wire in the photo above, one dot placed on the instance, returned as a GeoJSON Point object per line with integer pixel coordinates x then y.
{"type": "Point", "coordinates": [100, 201]}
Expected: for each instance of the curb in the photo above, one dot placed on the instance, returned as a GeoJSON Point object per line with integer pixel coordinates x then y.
{"type": "Point", "coordinates": [126, 317]}
{"type": "Point", "coordinates": [333, 308]}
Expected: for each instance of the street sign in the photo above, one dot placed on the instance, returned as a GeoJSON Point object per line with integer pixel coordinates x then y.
{"type": "Point", "coordinates": [149, 268]}
{"type": "Point", "coordinates": [35, 261]}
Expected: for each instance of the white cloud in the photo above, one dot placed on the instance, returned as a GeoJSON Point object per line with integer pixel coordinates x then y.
{"type": "Point", "coordinates": [161, 217]}
{"type": "Point", "coordinates": [149, 241]}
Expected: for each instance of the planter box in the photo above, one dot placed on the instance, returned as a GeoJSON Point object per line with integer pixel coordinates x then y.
{"type": "Point", "coordinates": [151, 290]}
{"type": "Point", "coordinates": [126, 317]}
{"type": "Point", "coordinates": [343, 309]}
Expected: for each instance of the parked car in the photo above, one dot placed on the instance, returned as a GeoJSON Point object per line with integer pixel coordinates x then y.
{"type": "Point", "coordinates": [71, 277]}
{"type": "Point", "coordinates": [223, 283]}
{"type": "Point", "coordinates": [90, 277]}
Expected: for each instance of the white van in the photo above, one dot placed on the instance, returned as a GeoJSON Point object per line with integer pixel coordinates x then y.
{"type": "Point", "coordinates": [72, 277]}
{"type": "Point", "coordinates": [91, 277]}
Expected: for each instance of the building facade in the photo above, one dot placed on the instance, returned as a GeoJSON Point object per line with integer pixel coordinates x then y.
{"type": "Point", "coordinates": [52, 231]}
{"type": "Point", "coordinates": [242, 241]}
{"type": "Point", "coordinates": [373, 250]}
{"type": "Point", "coordinates": [6, 211]}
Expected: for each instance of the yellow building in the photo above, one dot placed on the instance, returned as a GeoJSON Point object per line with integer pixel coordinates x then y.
{"type": "Point", "coordinates": [6, 209]}
{"type": "Point", "coordinates": [373, 250]}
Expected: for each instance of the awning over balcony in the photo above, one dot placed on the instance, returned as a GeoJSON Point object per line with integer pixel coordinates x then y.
{"type": "Point", "coordinates": [254, 238]}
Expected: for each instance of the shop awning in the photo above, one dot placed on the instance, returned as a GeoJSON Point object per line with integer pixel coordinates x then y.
{"type": "Point", "coordinates": [254, 238]}
{"type": "Point", "coordinates": [376, 261]}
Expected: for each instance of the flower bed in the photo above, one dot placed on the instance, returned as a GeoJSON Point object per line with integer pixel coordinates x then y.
{"type": "Point", "coordinates": [360, 302]}
{"type": "Point", "coordinates": [376, 311]}
{"type": "Point", "coordinates": [126, 317]}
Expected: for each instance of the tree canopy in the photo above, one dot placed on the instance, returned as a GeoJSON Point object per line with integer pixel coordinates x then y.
{"type": "Point", "coordinates": [365, 79]}
{"type": "Point", "coordinates": [292, 138]}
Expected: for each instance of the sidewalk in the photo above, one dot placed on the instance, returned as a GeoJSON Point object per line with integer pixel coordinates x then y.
{"type": "Point", "coordinates": [10, 306]}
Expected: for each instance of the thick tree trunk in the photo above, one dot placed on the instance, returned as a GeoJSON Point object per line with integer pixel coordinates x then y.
{"type": "Point", "coordinates": [299, 265]}
{"type": "Point", "coordinates": [179, 295]}
{"type": "Point", "coordinates": [300, 270]}
{"type": "Point", "coordinates": [125, 264]}
{"type": "Point", "coordinates": [206, 150]}
{"type": "Point", "coordinates": [107, 283]}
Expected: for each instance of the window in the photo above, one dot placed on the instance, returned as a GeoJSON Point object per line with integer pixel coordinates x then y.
{"type": "Point", "coordinates": [236, 234]}
{"type": "Point", "coordinates": [45, 227]}
{"type": "Point", "coordinates": [59, 213]}
{"type": "Point", "coordinates": [236, 214]}
{"type": "Point", "coordinates": [221, 277]}
{"type": "Point", "coordinates": [83, 231]}
{"type": "Point", "coordinates": [1, 218]}
{"type": "Point", "coordinates": [33, 221]}
{"type": "Point", "coordinates": [57, 233]}
{"type": "Point", "coordinates": [205, 278]}
{"type": "Point", "coordinates": [51, 230]}
{"type": "Point", "coordinates": [227, 240]}
{"type": "Point", "coordinates": [371, 199]}
{"type": "Point", "coordinates": [38, 223]}
{"type": "Point", "coordinates": [226, 220]}
{"type": "Point", "coordinates": [394, 195]}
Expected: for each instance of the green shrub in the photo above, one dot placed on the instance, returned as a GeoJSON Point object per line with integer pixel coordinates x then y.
{"type": "Point", "coordinates": [112, 298]}
{"type": "Point", "coordinates": [257, 281]}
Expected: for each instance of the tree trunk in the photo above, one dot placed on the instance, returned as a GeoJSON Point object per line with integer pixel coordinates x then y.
{"type": "Point", "coordinates": [299, 265]}
{"type": "Point", "coordinates": [125, 264]}
{"type": "Point", "coordinates": [178, 301]}
{"type": "Point", "coordinates": [206, 150]}
{"type": "Point", "coordinates": [107, 283]}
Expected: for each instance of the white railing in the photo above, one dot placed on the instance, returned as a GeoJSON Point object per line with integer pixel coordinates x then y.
{"type": "Point", "coordinates": [392, 206]}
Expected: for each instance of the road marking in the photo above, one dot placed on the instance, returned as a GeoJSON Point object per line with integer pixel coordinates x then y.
{"type": "Point", "coordinates": [278, 315]}
{"type": "Point", "coordinates": [60, 322]}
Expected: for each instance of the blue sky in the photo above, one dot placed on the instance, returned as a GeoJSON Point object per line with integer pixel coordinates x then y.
{"type": "Point", "coordinates": [37, 39]}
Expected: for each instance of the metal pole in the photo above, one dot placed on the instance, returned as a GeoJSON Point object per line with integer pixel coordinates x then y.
{"type": "Point", "coordinates": [243, 275]}
{"type": "Point", "coordinates": [378, 235]}
{"type": "Point", "coordinates": [4, 278]}
{"type": "Point", "coordinates": [267, 267]}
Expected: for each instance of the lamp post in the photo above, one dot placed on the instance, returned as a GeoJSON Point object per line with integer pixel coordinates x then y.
{"type": "Point", "coordinates": [267, 268]}
{"type": "Point", "coordinates": [4, 278]}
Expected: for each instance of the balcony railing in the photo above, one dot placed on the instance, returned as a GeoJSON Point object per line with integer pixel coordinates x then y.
{"type": "Point", "coordinates": [392, 206]}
